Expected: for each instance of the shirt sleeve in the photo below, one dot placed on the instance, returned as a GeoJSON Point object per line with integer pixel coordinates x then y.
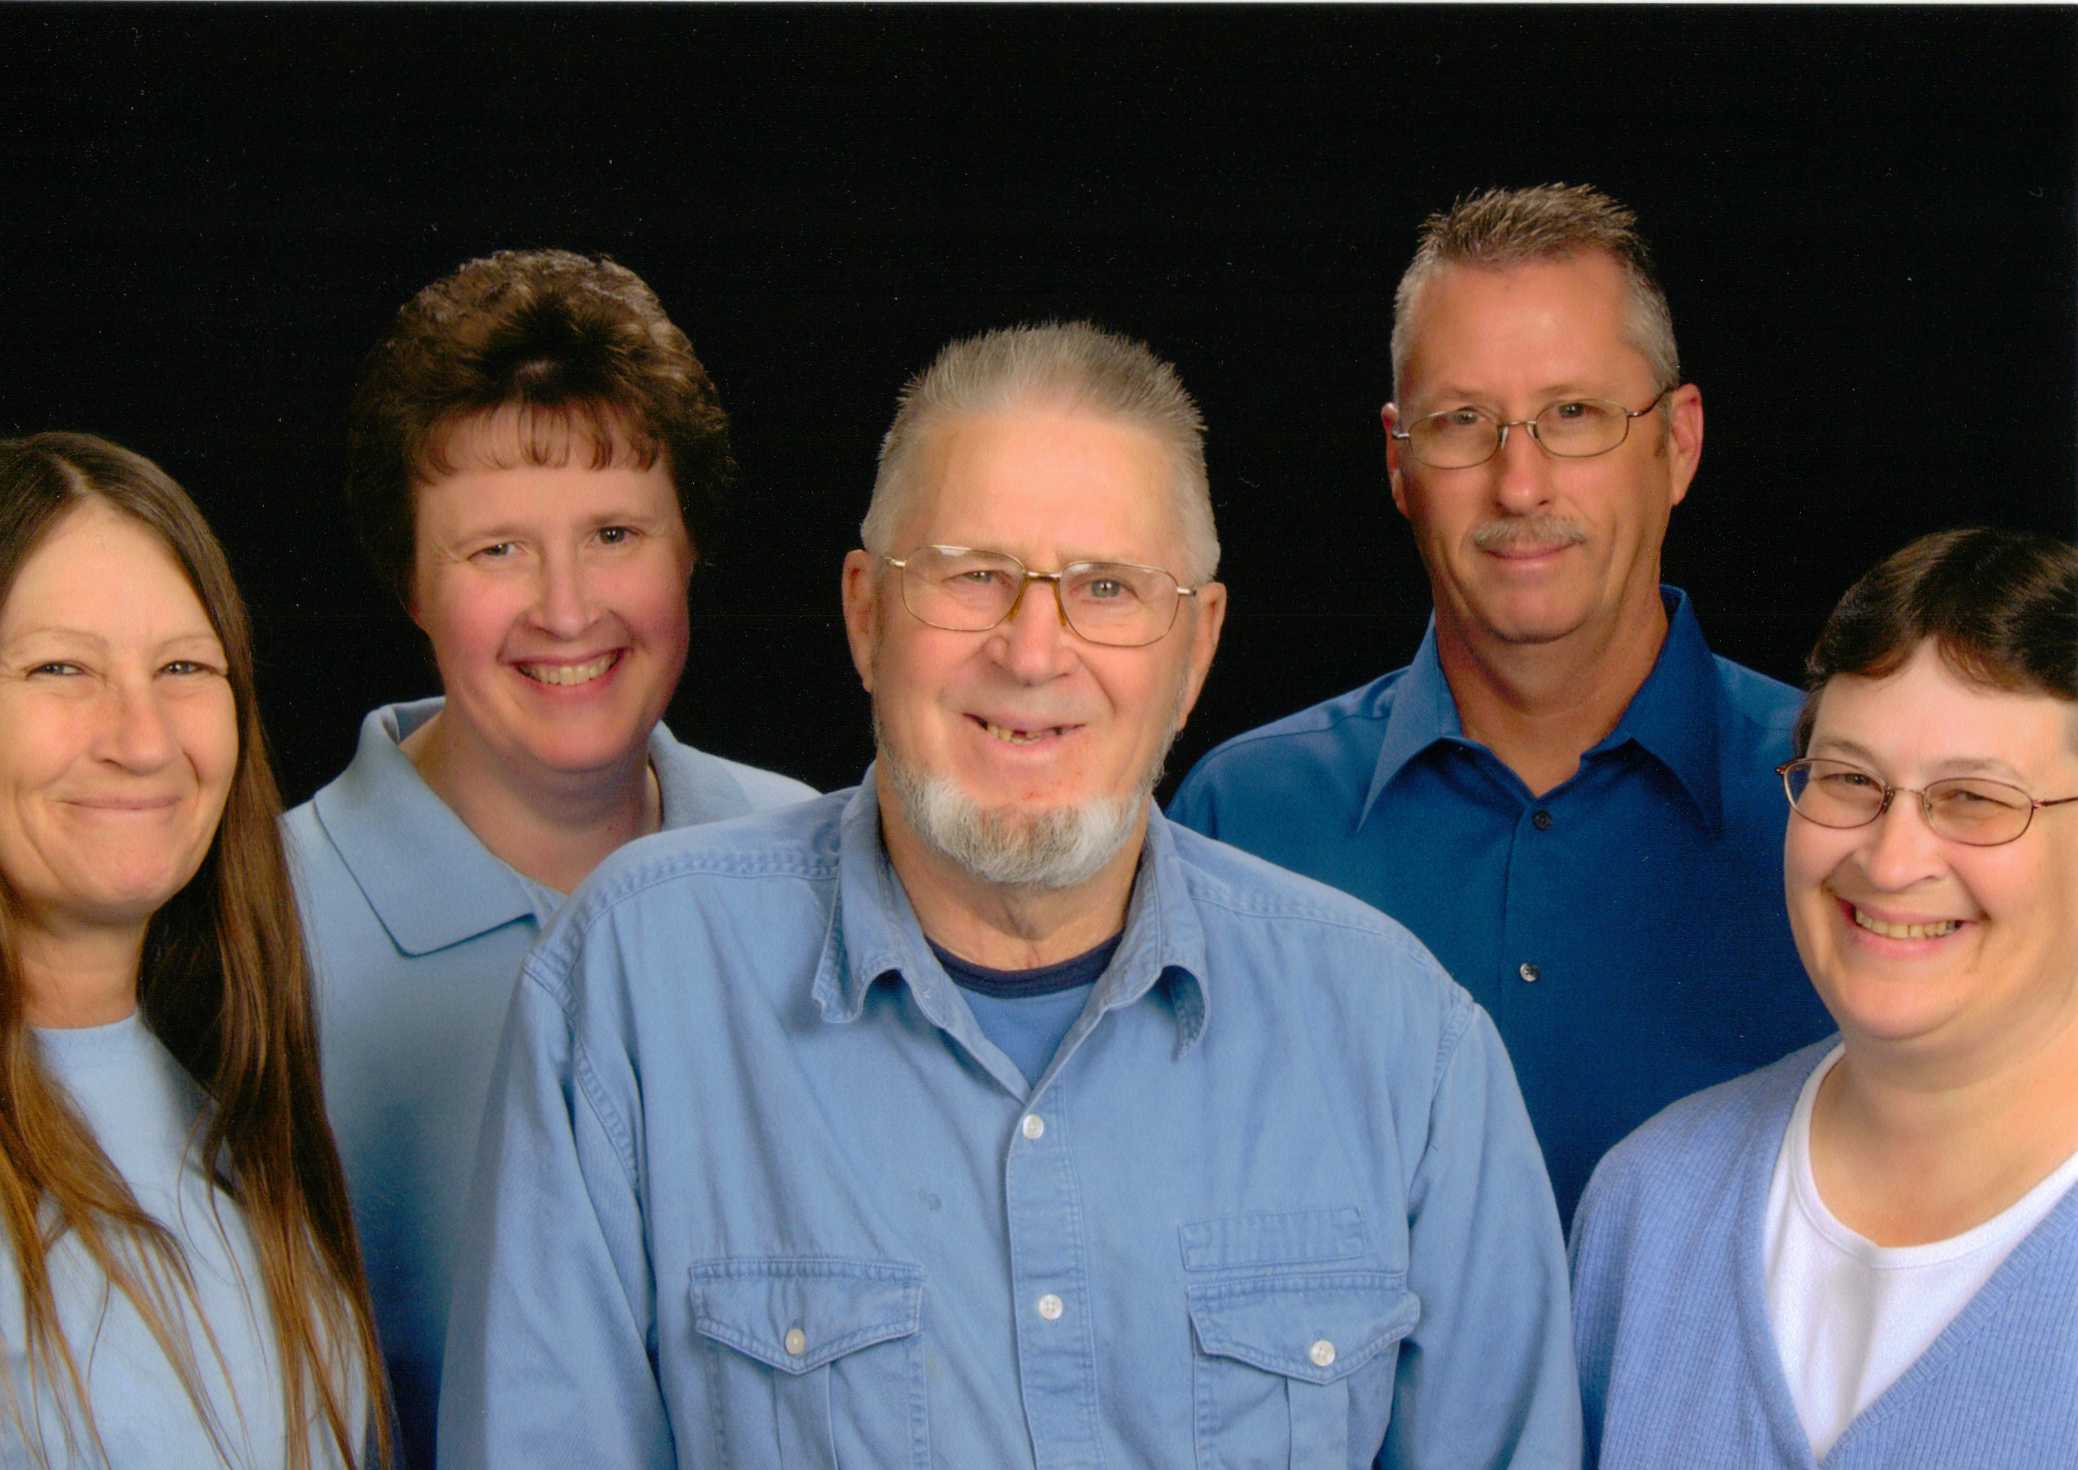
{"type": "Point", "coordinates": [550, 1348]}
{"type": "Point", "coordinates": [1486, 1378]}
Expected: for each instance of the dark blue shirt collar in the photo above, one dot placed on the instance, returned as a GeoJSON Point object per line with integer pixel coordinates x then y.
{"type": "Point", "coordinates": [1673, 717]}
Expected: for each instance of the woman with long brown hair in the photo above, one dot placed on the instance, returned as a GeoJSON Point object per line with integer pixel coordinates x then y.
{"type": "Point", "coordinates": [185, 1285]}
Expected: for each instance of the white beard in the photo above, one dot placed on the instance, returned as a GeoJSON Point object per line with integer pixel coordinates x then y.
{"type": "Point", "coordinates": [1054, 847]}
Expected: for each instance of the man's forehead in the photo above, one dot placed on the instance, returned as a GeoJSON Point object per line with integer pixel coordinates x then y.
{"type": "Point", "coordinates": [1025, 472]}
{"type": "Point", "coordinates": [1562, 323]}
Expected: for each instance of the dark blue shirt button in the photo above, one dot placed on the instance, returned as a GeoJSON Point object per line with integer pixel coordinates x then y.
{"type": "Point", "coordinates": [1541, 820]}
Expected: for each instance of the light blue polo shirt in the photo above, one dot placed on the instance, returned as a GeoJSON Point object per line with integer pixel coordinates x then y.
{"type": "Point", "coordinates": [416, 933]}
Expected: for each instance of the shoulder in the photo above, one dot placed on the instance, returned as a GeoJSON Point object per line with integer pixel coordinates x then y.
{"type": "Point", "coordinates": [1312, 940]}
{"type": "Point", "coordinates": [701, 787]}
{"type": "Point", "coordinates": [1755, 708]}
{"type": "Point", "coordinates": [701, 874]}
{"type": "Point", "coordinates": [1368, 704]}
{"type": "Point", "coordinates": [1340, 735]}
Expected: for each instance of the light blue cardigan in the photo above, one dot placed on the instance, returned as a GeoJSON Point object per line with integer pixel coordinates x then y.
{"type": "Point", "coordinates": [1678, 1363]}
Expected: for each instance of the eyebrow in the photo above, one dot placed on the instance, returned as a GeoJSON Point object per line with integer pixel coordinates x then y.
{"type": "Point", "coordinates": [83, 635]}
{"type": "Point", "coordinates": [1961, 765]}
{"type": "Point", "coordinates": [1548, 395]}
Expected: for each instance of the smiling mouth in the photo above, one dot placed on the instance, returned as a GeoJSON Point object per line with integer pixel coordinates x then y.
{"type": "Point", "coordinates": [1011, 736]}
{"type": "Point", "coordinates": [565, 675]}
{"type": "Point", "coordinates": [1939, 929]}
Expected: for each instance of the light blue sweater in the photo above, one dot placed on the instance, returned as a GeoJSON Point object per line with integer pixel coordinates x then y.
{"type": "Point", "coordinates": [1678, 1363]}
{"type": "Point", "coordinates": [142, 1108]}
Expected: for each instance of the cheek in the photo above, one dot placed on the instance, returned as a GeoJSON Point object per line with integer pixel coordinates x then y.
{"type": "Point", "coordinates": [465, 619]}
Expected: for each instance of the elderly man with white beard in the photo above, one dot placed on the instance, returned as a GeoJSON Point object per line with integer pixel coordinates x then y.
{"type": "Point", "coordinates": [977, 1116]}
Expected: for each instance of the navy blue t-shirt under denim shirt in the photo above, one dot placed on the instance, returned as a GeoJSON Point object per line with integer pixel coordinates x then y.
{"type": "Point", "coordinates": [1625, 930]}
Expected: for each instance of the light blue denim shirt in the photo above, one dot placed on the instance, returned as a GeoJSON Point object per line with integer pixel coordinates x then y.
{"type": "Point", "coordinates": [416, 932]}
{"type": "Point", "coordinates": [756, 1191]}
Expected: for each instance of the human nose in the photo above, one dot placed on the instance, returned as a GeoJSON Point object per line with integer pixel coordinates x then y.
{"type": "Point", "coordinates": [1902, 848]}
{"type": "Point", "coordinates": [1522, 470]}
{"type": "Point", "coordinates": [137, 734]}
{"type": "Point", "coordinates": [1034, 633]}
{"type": "Point", "coordinates": [563, 595]}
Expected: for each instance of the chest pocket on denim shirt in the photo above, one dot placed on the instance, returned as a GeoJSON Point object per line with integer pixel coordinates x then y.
{"type": "Point", "coordinates": [1291, 1352]}
{"type": "Point", "coordinates": [814, 1363]}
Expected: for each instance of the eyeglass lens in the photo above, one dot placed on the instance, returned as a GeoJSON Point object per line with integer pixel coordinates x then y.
{"type": "Point", "coordinates": [1461, 437]}
{"type": "Point", "coordinates": [1964, 809]}
{"type": "Point", "coordinates": [968, 591]}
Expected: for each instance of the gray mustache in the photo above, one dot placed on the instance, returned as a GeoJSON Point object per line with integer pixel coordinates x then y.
{"type": "Point", "coordinates": [1539, 530]}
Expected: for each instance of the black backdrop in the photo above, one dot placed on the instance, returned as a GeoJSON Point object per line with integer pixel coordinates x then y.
{"type": "Point", "coordinates": [1865, 218]}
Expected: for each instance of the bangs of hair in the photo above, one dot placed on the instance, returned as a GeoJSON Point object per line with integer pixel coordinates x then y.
{"type": "Point", "coordinates": [538, 434]}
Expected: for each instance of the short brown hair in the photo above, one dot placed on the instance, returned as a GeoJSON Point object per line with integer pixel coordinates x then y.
{"type": "Point", "coordinates": [578, 347]}
{"type": "Point", "coordinates": [1500, 228]}
{"type": "Point", "coordinates": [2002, 606]}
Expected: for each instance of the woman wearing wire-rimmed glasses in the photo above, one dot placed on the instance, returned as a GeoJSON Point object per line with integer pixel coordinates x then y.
{"type": "Point", "coordinates": [1867, 1254]}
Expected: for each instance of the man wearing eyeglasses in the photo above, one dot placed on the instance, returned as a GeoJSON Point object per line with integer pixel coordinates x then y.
{"type": "Point", "coordinates": [976, 1117]}
{"type": "Point", "coordinates": [1565, 795]}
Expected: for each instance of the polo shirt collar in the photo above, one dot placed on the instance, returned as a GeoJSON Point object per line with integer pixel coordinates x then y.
{"type": "Point", "coordinates": [430, 880]}
{"type": "Point", "coordinates": [874, 933]}
{"type": "Point", "coordinates": [1673, 717]}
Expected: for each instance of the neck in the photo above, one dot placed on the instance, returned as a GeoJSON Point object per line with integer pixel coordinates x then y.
{"type": "Point", "coordinates": [1539, 706]}
{"type": "Point", "coordinates": [83, 979]}
{"type": "Point", "coordinates": [1905, 1153]}
{"type": "Point", "coordinates": [1009, 928]}
{"type": "Point", "coordinates": [554, 832]}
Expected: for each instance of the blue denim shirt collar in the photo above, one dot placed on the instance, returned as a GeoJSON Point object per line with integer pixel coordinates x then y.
{"type": "Point", "coordinates": [392, 831]}
{"type": "Point", "coordinates": [1672, 717]}
{"type": "Point", "coordinates": [874, 935]}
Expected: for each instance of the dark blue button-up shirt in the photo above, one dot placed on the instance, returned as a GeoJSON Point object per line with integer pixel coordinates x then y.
{"type": "Point", "coordinates": [1625, 930]}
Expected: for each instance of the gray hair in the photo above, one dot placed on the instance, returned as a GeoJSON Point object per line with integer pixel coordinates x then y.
{"type": "Point", "coordinates": [1501, 228]}
{"type": "Point", "coordinates": [1070, 365]}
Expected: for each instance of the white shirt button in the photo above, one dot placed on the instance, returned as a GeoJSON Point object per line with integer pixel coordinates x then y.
{"type": "Point", "coordinates": [1050, 1307]}
{"type": "Point", "coordinates": [1529, 972]}
{"type": "Point", "coordinates": [1034, 1127]}
{"type": "Point", "coordinates": [1322, 1353]}
{"type": "Point", "coordinates": [796, 1342]}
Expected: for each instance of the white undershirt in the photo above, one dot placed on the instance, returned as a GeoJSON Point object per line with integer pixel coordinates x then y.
{"type": "Point", "coordinates": [1850, 1316]}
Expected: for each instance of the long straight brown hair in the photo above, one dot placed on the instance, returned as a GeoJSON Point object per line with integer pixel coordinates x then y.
{"type": "Point", "coordinates": [225, 985]}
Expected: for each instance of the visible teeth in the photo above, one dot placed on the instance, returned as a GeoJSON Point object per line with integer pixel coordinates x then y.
{"type": "Point", "coordinates": [1015, 737]}
{"type": "Point", "coordinates": [1906, 931]}
{"type": "Point", "coordinates": [569, 673]}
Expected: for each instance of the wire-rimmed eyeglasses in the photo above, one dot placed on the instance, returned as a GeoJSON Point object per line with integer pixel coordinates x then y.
{"type": "Point", "coordinates": [1573, 428]}
{"type": "Point", "coordinates": [1966, 809]}
{"type": "Point", "coordinates": [963, 589]}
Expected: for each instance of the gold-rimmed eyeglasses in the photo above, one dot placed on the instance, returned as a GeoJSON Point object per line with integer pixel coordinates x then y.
{"type": "Point", "coordinates": [1966, 809]}
{"type": "Point", "coordinates": [1574, 428]}
{"type": "Point", "coordinates": [963, 589]}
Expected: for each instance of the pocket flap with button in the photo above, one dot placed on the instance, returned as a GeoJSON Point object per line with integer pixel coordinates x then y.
{"type": "Point", "coordinates": [1313, 1327]}
{"type": "Point", "coordinates": [797, 1313]}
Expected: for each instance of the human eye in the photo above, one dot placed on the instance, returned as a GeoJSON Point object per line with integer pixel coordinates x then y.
{"type": "Point", "coordinates": [1976, 798]}
{"type": "Point", "coordinates": [56, 668]}
{"type": "Point", "coordinates": [495, 551]}
{"type": "Point", "coordinates": [616, 535]}
{"type": "Point", "coordinates": [1464, 417]}
{"type": "Point", "coordinates": [188, 668]}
